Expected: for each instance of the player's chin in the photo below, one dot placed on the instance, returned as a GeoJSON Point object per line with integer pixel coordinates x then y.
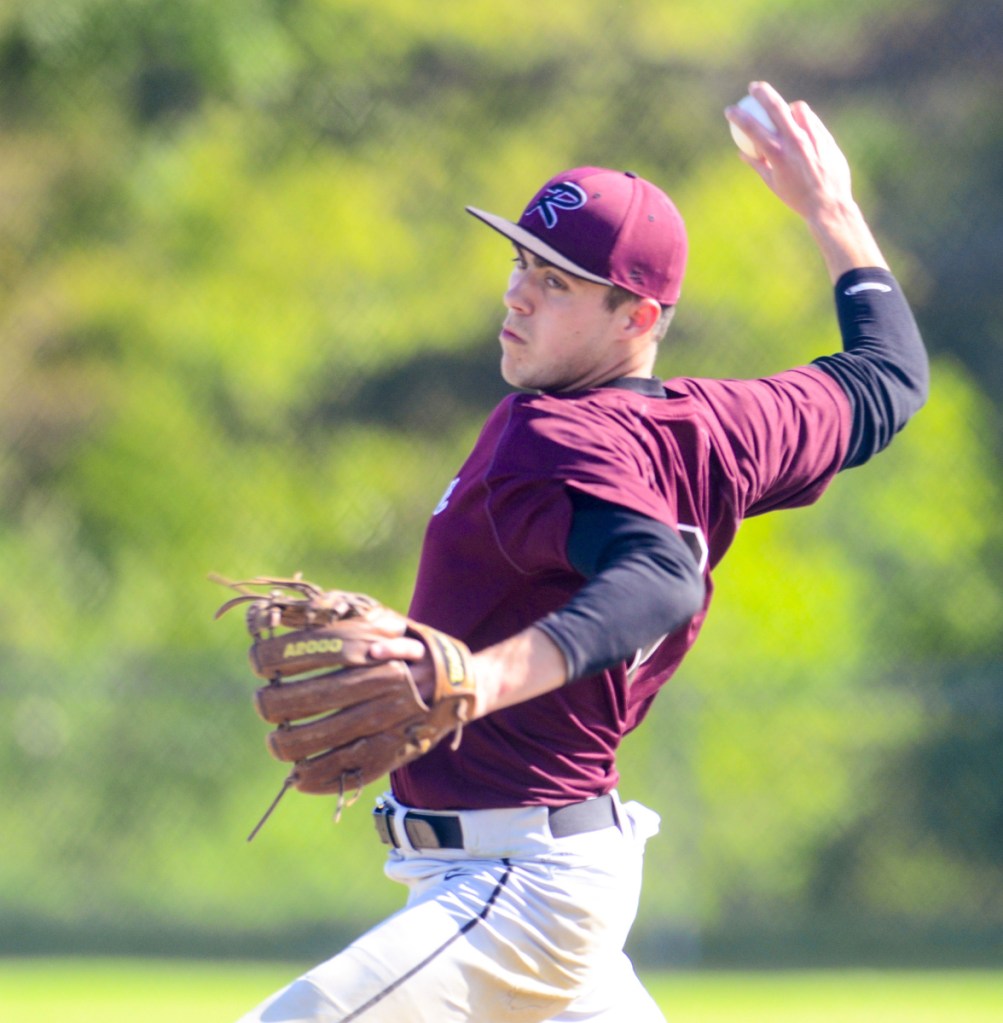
{"type": "Point", "coordinates": [526, 379]}
{"type": "Point", "coordinates": [514, 373]}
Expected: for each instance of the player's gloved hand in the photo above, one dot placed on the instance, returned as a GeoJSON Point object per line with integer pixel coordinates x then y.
{"type": "Point", "coordinates": [355, 688]}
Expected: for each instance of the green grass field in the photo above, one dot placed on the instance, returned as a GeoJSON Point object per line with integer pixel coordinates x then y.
{"type": "Point", "coordinates": [136, 991]}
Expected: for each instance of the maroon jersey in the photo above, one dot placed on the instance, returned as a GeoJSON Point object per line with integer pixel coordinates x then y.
{"type": "Point", "coordinates": [708, 454]}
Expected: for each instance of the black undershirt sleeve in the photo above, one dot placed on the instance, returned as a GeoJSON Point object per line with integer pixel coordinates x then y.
{"type": "Point", "coordinates": [883, 367]}
{"type": "Point", "coordinates": [643, 584]}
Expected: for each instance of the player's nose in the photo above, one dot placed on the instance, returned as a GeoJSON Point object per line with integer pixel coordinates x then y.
{"type": "Point", "coordinates": [516, 295]}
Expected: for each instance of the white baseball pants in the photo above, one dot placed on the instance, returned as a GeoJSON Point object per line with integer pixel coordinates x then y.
{"type": "Point", "coordinates": [516, 927]}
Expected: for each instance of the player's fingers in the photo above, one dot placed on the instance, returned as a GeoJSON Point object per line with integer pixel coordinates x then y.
{"type": "Point", "coordinates": [403, 649]}
{"type": "Point", "coordinates": [802, 114]}
{"type": "Point", "coordinates": [761, 136]}
{"type": "Point", "coordinates": [811, 124]}
{"type": "Point", "coordinates": [827, 148]}
{"type": "Point", "coordinates": [761, 165]}
{"type": "Point", "coordinates": [761, 162]}
{"type": "Point", "coordinates": [775, 105]}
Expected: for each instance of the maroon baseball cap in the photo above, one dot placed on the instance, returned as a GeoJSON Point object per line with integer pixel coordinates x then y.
{"type": "Point", "coordinates": [608, 226]}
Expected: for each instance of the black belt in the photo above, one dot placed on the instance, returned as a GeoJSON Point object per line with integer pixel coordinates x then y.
{"type": "Point", "coordinates": [445, 831]}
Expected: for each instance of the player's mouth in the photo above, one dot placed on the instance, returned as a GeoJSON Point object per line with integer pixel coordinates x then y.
{"type": "Point", "coordinates": [510, 336]}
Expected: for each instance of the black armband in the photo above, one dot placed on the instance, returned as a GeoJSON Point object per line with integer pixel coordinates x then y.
{"type": "Point", "coordinates": [883, 367]}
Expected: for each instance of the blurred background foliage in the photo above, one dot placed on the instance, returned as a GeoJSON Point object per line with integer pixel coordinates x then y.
{"type": "Point", "coordinates": [247, 328]}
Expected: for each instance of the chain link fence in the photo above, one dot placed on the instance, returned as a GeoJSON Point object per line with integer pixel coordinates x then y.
{"type": "Point", "coordinates": [246, 329]}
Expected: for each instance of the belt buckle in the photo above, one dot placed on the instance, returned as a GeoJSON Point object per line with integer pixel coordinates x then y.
{"type": "Point", "coordinates": [383, 814]}
{"type": "Point", "coordinates": [420, 832]}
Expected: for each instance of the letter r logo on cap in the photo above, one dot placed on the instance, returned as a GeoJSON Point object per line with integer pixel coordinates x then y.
{"type": "Point", "coordinates": [562, 196]}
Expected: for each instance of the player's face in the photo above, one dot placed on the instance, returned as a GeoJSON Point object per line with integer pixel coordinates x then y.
{"type": "Point", "coordinates": [558, 334]}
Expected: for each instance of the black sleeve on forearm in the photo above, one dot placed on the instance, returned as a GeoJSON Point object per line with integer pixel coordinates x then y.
{"type": "Point", "coordinates": [643, 584]}
{"type": "Point", "coordinates": [883, 367]}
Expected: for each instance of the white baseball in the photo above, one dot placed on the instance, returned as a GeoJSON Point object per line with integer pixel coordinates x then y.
{"type": "Point", "coordinates": [754, 107]}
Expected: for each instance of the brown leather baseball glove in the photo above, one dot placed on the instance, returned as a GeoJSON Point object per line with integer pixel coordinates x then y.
{"type": "Point", "coordinates": [345, 720]}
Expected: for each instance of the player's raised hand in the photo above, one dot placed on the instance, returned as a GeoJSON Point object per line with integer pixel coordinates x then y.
{"type": "Point", "coordinates": [801, 163]}
{"type": "Point", "coordinates": [800, 160]}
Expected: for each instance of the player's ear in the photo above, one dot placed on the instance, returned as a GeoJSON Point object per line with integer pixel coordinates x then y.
{"type": "Point", "coordinates": [643, 314]}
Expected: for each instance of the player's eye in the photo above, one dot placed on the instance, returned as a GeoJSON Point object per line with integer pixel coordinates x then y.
{"type": "Point", "coordinates": [520, 262]}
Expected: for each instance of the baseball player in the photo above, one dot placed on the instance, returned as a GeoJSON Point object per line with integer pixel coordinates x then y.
{"type": "Point", "coordinates": [572, 552]}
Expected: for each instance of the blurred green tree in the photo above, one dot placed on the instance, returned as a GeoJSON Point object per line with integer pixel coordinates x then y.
{"type": "Point", "coordinates": [246, 328]}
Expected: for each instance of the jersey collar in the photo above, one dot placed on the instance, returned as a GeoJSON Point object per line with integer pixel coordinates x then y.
{"type": "Point", "coordinates": [650, 386]}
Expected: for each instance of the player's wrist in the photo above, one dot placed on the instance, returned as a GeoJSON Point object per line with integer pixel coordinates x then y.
{"type": "Point", "coordinates": [526, 665]}
{"type": "Point", "coordinates": [844, 238]}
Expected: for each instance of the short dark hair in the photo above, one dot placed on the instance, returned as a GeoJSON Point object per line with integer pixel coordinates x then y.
{"type": "Point", "coordinates": [617, 296]}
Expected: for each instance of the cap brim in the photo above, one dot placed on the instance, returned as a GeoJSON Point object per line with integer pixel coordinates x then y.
{"type": "Point", "coordinates": [531, 243]}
